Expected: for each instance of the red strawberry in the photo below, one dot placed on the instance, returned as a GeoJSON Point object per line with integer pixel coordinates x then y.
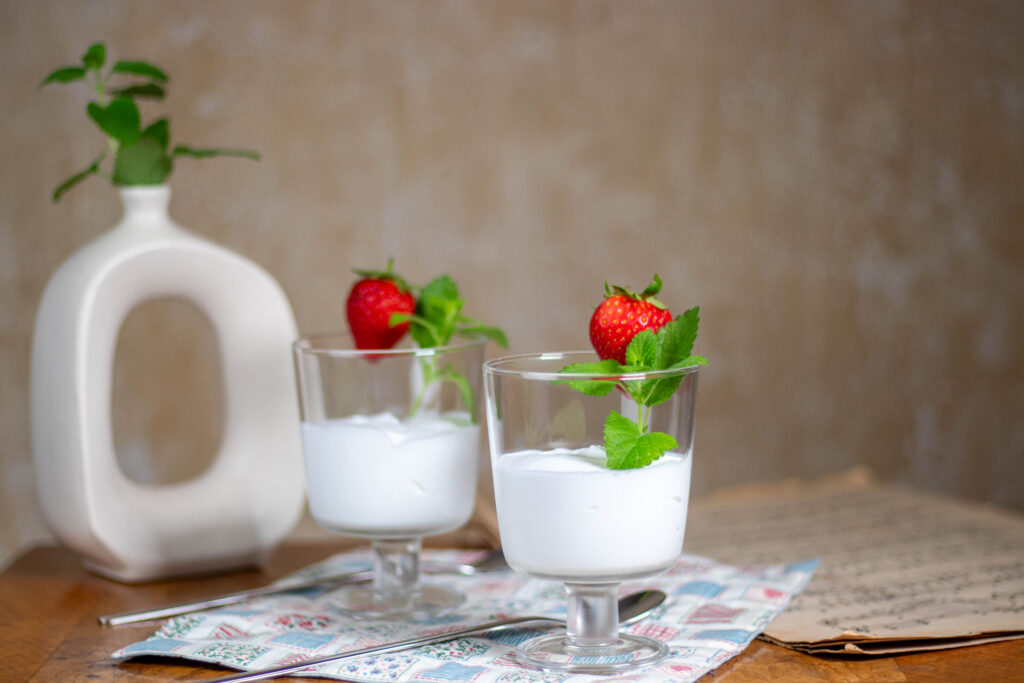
{"type": "Point", "coordinates": [622, 315]}
{"type": "Point", "coordinates": [371, 303]}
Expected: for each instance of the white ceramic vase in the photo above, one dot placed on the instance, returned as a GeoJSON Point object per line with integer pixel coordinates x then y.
{"type": "Point", "coordinates": [234, 513]}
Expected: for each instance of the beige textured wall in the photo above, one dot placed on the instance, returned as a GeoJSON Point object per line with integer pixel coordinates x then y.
{"type": "Point", "coordinates": [837, 184]}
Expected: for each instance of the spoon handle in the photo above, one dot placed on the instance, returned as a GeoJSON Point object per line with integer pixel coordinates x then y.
{"type": "Point", "coordinates": [233, 598]}
{"type": "Point", "coordinates": [264, 674]}
{"type": "Point", "coordinates": [491, 561]}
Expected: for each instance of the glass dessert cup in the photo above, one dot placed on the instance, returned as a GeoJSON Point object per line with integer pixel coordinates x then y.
{"type": "Point", "coordinates": [390, 441]}
{"type": "Point", "coordinates": [564, 516]}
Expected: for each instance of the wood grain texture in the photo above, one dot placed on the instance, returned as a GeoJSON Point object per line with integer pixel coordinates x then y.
{"type": "Point", "coordinates": [49, 632]}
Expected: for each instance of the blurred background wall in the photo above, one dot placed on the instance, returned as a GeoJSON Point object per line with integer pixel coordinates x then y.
{"type": "Point", "coordinates": [838, 185]}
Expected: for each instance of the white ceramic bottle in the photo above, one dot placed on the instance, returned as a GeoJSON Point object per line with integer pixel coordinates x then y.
{"type": "Point", "coordinates": [235, 512]}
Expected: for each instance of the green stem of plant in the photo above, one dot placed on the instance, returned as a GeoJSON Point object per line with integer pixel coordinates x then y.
{"type": "Point", "coordinates": [432, 375]}
{"type": "Point", "coordinates": [100, 86]}
{"type": "Point", "coordinates": [429, 370]}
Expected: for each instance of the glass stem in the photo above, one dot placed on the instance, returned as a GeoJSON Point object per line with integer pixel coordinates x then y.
{"type": "Point", "coordinates": [396, 564]}
{"type": "Point", "coordinates": [593, 616]}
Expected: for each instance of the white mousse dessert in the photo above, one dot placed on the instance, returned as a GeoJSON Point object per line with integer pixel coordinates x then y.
{"type": "Point", "coordinates": [382, 477]}
{"type": "Point", "coordinates": [565, 516]}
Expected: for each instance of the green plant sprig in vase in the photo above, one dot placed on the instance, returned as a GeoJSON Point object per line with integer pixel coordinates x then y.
{"type": "Point", "coordinates": [140, 155]}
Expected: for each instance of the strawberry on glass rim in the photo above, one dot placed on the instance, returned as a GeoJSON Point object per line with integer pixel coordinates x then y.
{"type": "Point", "coordinates": [645, 354]}
{"type": "Point", "coordinates": [373, 299]}
{"type": "Point", "coordinates": [381, 308]}
{"type": "Point", "coordinates": [622, 315]}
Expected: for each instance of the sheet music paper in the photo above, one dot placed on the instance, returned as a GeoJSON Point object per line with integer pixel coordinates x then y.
{"type": "Point", "coordinates": [901, 570]}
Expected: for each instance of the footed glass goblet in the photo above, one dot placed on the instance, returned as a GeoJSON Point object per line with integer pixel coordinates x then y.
{"type": "Point", "coordinates": [564, 515]}
{"type": "Point", "coordinates": [390, 440]}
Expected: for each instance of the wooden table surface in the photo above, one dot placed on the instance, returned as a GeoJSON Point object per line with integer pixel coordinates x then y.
{"type": "Point", "coordinates": [48, 631]}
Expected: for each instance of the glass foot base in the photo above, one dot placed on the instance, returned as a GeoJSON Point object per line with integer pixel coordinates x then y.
{"type": "Point", "coordinates": [628, 652]}
{"type": "Point", "coordinates": [426, 601]}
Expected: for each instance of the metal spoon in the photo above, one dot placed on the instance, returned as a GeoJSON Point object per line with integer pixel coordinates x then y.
{"type": "Point", "coordinates": [632, 608]}
{"type": "Point", "coordinates": [489, 562]}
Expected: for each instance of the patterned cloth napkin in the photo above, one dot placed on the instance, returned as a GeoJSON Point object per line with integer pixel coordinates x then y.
{"type": "Point", "coordinates": [712, 613]}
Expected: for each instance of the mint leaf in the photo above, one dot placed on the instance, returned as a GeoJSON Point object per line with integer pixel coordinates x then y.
{"type": "Point", "coordinates": [428, 329]}
{"type": "Point", "coordinates": [441, 287]}
{"type": "Point", "coordinates": [92, 169]}
{"type": "Point", "coordinates": [95, 56]}
{"type": "Point", "coordinates": [65, 74]}
{"type": "Point", "coordinates": [495, 334]}
{"type": "Point", "coordinates": [620, 435]}
{"type": "Point", "coordinates": [438, 316]}
{"type": "Point", "coordinates": [676, 338]}
{"type": "Point", "coordinates": [449, 374]}
{"type": "Point", "coordinates": [592, 387]}
{"type": "Point", "coordinates": [119, 119]}
{"type": "Point", "coordinates": [604, 367]}
{"type": "Point", "coordinates": [651, 446]}
{"type": "Point", "coordinates": [689, 362]}
{"type": "Point", "coordinates": [626, 447]}
{"type": "Point", "coordinates": [143, 162]}
{"type": "Point", "coordinates": [642, 350]}
{"type": "Point", "coordinates": [438, 305]}
{"type": "Point", "coordinates": [651, 392]}
{"type": "Point", "coordinates": [424, 335]}
{"type": "Point", "coordinates": [185, 151]}
{"type": "Point", "coordinates": [136, 68]}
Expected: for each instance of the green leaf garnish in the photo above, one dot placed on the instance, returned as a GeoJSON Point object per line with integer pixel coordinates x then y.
{"type": "Point", "coordinates": [137, 68]}
{"type": "Point", "coordinates": [676, 339]}
{"type": "Point", "coordinates": [592, 387]}
{"type": "Point", "coordinates": [627, 447]}
{"type": "Point", "coordinates": [437, 318]}
{"type": "Point", "coordinates": [495, 334]}
{"type": "Point", "coordinates": [629, 444]}
{"type": "Point", "coordinates": [65, 74]}
{"type": "Point", "coordinates": [643, 350]}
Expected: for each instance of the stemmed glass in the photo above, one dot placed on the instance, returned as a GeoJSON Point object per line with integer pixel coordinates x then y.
{"type": "Point", "coordinates": [564, 516]}
{"type": "Point", "coordinates": [390, 440]}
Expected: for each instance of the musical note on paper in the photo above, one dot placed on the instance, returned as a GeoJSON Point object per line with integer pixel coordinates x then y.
{"type": "Point", "coordinates": [895, 563]}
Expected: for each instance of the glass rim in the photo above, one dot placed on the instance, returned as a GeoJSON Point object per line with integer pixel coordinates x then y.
{"type": "Point", "coordinates": [494, 367]}
{"type": "Point", "coordinates": [304, 343]}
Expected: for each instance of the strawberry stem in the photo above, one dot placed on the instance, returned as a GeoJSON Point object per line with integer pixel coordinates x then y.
{"type": "Point", "coordinates": [386, 274]}
{"type": "Point", "coordinates": [647, 295]}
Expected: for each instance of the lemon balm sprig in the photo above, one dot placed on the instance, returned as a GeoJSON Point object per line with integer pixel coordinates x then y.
{"type": "Point", "coordinates": [437, 318]}
{"type": "Point", "coordinates": [141, 156]}
{"type": "Point", "coordinates": [630, 444]}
